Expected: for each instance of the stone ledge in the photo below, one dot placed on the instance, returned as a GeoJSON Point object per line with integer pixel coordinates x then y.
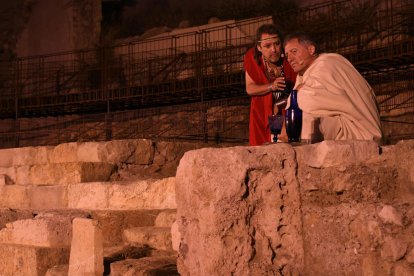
{"type": "Point", "coordinates": [30, 260]}
{"type": "Point", "coordinates": [335, 153]}
{"type": "Point", "coordinates": [151, 194]}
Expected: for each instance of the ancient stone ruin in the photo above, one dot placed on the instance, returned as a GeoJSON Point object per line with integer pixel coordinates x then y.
{"type": "Point", "coordinates": [141, 207]}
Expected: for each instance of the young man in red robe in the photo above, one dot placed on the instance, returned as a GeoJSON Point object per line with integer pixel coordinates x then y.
{"type": "Point", "coordinates": [267, 73]}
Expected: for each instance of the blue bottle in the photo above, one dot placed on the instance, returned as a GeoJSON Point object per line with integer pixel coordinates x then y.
{"type": "Point", "coordinates": [294, 118]}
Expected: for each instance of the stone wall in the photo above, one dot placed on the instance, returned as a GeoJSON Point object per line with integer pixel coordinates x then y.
{"type": "Point", "coordinates": [333, 208]}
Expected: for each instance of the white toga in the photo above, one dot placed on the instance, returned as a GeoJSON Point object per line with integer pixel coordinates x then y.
{"type": "Point", "coordinates": [333, 89]}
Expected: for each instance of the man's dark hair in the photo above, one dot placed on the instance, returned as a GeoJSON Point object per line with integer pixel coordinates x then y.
{"type": "Point", "coordinates": [303, 38]}
{"type": "Point", "coordinates": [265, 29]}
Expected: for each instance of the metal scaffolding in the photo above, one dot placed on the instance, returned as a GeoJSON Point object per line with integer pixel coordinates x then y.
{"type": "Point", "coordinates": [194, 70]}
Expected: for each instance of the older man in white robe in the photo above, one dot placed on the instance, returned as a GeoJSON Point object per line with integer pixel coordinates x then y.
{"type": "Point", "coordinates": [333, 92]}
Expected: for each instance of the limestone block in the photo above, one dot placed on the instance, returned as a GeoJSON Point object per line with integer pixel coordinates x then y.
{"type": "Point", "coordinates": [45, 231]}
{"type": "Point", "coordinates": [6, 158]}
{"type": "Point", "coordinates": [237, 211]}
{"type": "Point", "coordinates": [113, 223]}
{"type": "Point", "coordinates": [65, 153]}
{"type": "Point", "coordinates": [393, 249]}
{"type": "Point", "coordinates": [70, 173]}
{"type": "Point", "coordinates": [86, 254]}
{"type": "Point", "coordinates": [333, 153]}
{"type": "Point", "coordinates": [29, 260]}
{"type": "Point", "coordinates": [9, 215]}
{"type": "Point", "coordinates": [389, 214]}
{"type": "Point", "coordinates": [47, 197]}
{"type": "Point", "coordinates": [88, 196]}
{"type": "Point", "coordinates": [59, 270]}
{"type": "Point", "coordinates": [166, 218]}
{"type": "Point", "coordinates": [145, 266]}
{"type": "Point", "coordinates": [14, 196]}
{"type": "Point", "coordinates": [138, 151]}
{"type": "Point", "coordinates": [148, 194]}
{"type": "Point", "coordinates": [31, 156]}
{"type": "Point", "coordinates": [22, 174]}
{"type": "Point", "coordinates": [10, 173]}
{"type": "Point", "coordinates": [175, 237]}
{"type": "Point", "coordinates": [155, 237]}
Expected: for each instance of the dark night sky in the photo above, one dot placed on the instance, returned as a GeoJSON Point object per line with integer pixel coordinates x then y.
{"type": "Point", "coordinates": [133, 17]}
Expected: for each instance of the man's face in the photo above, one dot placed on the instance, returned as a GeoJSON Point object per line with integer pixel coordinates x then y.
{"type": "Point", "coordinates": [299, 56]}
{"type": "Point", "coordinates": [270, 47]}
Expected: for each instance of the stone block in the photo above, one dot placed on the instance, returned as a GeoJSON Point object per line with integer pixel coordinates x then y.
{"type": "Point", "coordinates": [114, 152]}
{"type": "Point", "coordinates": [70, 173]}
{"type": "Point", "coordinates": [29, 260]}
{"type": "Point", "coordinates": [113, 223]}
{"type": "Point", "coordinates": [59, 270]}
{"type": "Point", "coordinates": [88, 196]}
{"type": "Point", "coordinates": [86, 254]}
{"type": "Point", "coordinates": [14, 196]}
{"type": "Point", "coordinates": [47, 197]}
{"type": "Point", "coordinates": [166, 218]}
{"type": "Point", "coordinates": [237, 211]}
{"type": "Point", "coordinates": [5, 180]}
{"type": "Point", "coordinates": [155, 237]}
{"type": "Point", "coordinates": [145, 266]}
{"type": "Point", "coordinates": [334, 153]}
{"type": "Point", "coordinates": [6, 158]}
{"type": "Point", "coordinates": [148, 194]}
{"type": "Point", "coordinates": [45, 231]}
{"type": "Point", "coordinates": [9, 215]}
{"type": "Point", "coordinates": [31, 156]}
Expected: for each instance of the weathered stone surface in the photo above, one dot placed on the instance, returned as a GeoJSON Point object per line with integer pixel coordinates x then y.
{"type": "Point", "coordinates": [402, 269]}
{"type": "Point", "coordinates": [403, 155]}
{"type": "Point", "coordinates": [47, 197]}
{"type": "Point", "coordinates": [45, 231]}
{"type": "Point", "coordinates": [175, 237]}
{"type": "Point", "coordinates": [30, 261]}
{"type": "Point", "coordinates": [148, 194]}
{"type": "Point", "coordinates": [145, 267]}
{"type": "Point", "coordinates": [410, 256]}
{"type": "Point", "coordinates": [166, 218]}
{"type": "Point", "coordinates": [59, 270]}
{"type": "Point", "coordinates": [14, 196]}
{"type": "Point", "coordinates": [393, 249]}
{"type": "Point", "coordinates": [341, 232]}
{"type": "Point", "coordinates": [333, 153]}
{"type": "Point", "coordinates": [70, 173]}
{"type": "Point", "coordinates": [86, 253]}
{"type": "Point", "coordinates": [155, 237]}
{"type": "Point", "coordinates": [238, 211]}
{"type": "Point", "coordinates": [113, 152]}
{"type": "Point", "coordinates": [10, 215]}
{"type": "Point", "coordinates": [389, 214]}
{"type": "Point", "coordinates": [113, 223]}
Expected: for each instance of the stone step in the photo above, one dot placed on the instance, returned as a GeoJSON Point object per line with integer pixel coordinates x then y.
{"type": "Point", "coordinates": [58, 173]}
{"type": "Point", "coordinates": [53, 228]}
{"type": "Point", "coordinates": [154, 237]}
{"type": "Point", "coordinates": [120, 253]}
{"type": "Point", "coordinates": [113, 152]}
{"type": "Point", "coordinates": [145, 266]}
{"type": "Point", "coordinates": [48, 230]}
{"type": "Point", "coordinates": [121, 195]}
{"type": "Point", "coordinates": [30, 260]}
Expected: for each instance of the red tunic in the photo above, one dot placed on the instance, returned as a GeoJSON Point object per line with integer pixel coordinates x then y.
{"type": "Point", "coordinates": [261, 106]}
